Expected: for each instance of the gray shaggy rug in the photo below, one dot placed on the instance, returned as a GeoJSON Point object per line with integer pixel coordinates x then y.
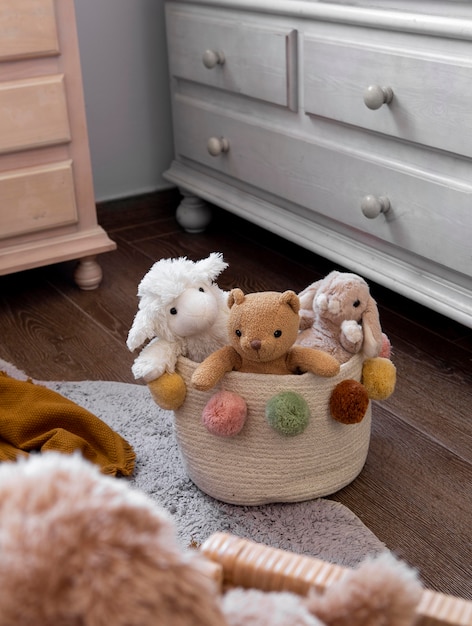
{"type": "Point", "coordinates": [321, 528]}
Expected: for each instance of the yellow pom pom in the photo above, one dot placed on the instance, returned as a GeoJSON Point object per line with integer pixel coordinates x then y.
{"type": "Point", "coordinates": [379, 376]}
{"type": "Point", "coordinates": [168, 391]}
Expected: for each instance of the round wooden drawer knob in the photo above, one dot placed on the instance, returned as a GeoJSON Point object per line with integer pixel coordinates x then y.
{"type": "Point", "coordinates": [217, 145]}
{"type": "Point", "coordinates": [212, 58]}
{"type": "Point", "coordinates": [372, 206]}
{"type": "Point", "coordinates": [375, 96]}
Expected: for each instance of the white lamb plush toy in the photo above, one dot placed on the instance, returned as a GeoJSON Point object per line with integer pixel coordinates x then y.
{"type": "Point", "coordinates": [181, 312]}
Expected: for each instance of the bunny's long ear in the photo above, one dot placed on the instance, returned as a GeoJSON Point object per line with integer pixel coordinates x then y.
{"type": "Point", "coordinates": [307, 296]}
{"type": "Point", "coordinates": [372, 330]}
{"type": "Point", "coordinates": [140, 331]}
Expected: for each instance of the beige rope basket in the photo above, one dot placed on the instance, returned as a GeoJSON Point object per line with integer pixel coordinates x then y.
{"type": "Point", "coordinates": [237, 562]}
{"type": "Point", "coordinates": [259, 465]}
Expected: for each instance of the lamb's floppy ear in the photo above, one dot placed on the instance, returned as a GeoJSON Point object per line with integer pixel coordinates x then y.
{"type": "Point", "coordinates": [212, 266]}
{"type": "Point", "coordinates": [140, 331]}
{"type": "Point", "coordinates": [290, 297]}
{"type": "Point", "coordinates": [372, 330]}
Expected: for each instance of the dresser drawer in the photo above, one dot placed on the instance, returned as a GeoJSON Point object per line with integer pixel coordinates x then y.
{"type": "Point", "coordinates": [33, 113]}
{"type": "Point", "coordinates": [37, 198]}
{"type": "Point", "coordinates": [254, 61]}
{"type": "Point", "coordinates": [431, 96]}
{"type": "Point", "coordinates": [333, 182]}
{"type": "Point", "coordinates": [27, 29]}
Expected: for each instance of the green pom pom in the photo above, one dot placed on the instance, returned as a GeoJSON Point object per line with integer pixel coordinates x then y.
{"type": "Point", "coordinates": [288, 413]}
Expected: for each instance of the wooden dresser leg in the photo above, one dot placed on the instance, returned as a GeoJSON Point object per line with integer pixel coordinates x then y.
{"type": "Point", "coordinates": [193, 213]}
{"type": "Point", "coordinates": [88, 274]}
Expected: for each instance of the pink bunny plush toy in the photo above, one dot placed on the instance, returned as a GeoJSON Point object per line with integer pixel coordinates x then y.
{"type": "Point", "coordinates": [339, 315]}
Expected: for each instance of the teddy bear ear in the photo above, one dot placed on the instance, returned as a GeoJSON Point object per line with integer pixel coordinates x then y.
{"type": "Point", "coordinates": [290, 297]}
{"type": "Point", "coordinates": [236, 296]}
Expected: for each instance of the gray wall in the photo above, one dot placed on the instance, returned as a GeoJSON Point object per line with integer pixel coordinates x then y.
{"type": "Point", "coordinates": [124, 69]}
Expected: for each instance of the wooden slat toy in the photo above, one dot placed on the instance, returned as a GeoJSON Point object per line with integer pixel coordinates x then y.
{"type": "Point", "coordinates": [245, 563]}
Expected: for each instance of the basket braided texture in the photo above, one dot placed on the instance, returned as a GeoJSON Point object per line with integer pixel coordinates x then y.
{"type": "Point", "coordinates": [259, 465]}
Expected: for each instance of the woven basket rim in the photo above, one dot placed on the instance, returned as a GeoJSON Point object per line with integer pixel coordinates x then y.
{"type": "Point", "coordinates": [353, 361]}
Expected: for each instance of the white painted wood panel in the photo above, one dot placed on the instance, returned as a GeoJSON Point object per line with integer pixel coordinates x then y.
{"type": "Point", "coordinates": [431, 95]}
{"type": "Point", "coordinates": [303, 172]}
{"type": "Point", "coordinates": [432, 285]}
{"type": "Point", "coordinates": [333, 182]}
{"type": "Point", "coordinates": [259, 61]}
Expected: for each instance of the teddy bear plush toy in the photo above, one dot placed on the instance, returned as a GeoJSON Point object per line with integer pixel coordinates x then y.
{"type": "Point", "coordinates": [80, 547]}
{"type": "Point", "coordinates": [339, 315]}
{"type": "Point", "coordinates": [182, 311]}
{"type": "Point", "coordinates": [262, 328]}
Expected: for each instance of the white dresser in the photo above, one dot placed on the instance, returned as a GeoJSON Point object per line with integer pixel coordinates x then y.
{"type": "Point", "coordinates": [47, 203]}
{"type": "Point", "coordinates": [345, 127]}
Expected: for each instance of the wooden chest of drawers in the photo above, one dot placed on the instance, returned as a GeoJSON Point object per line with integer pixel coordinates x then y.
{"type": "Point", "coordinates": [345, 128]}
{"type": "Point", "coordinates": [47, 204]}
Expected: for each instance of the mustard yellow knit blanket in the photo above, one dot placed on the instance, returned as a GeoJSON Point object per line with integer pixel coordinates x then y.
{"type": "Point", "coordinates": [36, 419]}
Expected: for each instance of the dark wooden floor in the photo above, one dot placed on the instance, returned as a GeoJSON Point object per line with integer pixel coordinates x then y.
{"type": "Point", "coordinates": [415, 492]}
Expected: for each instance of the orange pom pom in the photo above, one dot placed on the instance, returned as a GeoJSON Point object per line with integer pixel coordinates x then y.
{"type": "Point", "coordinates": [349, 402]}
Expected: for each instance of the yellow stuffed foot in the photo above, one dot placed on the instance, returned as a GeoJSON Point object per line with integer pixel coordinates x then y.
{"type": "Point", "coordinates": [379, 376]}
{"type": "Point", "coordinates": [168, 391]}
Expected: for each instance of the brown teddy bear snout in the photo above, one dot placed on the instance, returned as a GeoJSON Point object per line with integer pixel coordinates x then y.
{"type": "Point", "coordinates": [256, 344]}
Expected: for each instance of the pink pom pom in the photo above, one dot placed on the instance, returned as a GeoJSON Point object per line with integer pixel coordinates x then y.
{"type": "Point", "coordinates": [225, 414]}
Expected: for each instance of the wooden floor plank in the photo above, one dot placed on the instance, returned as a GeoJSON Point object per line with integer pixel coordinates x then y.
{"type": "Point", "coordinates": [435, 401]}
{"type": "Point", "coordinates": [423, 491]}
{"type": "Point", "coordinates": [50, 338]}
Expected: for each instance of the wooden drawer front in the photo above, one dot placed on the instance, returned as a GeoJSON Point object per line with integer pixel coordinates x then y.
{"type": "Point", "coordinates": [37, 198]}
{"type": "Point", "coordinates": [431, 98]}
{"type": "Point", "coordinates": [258, 62]}
{"type": "Point", "coordinates": [333, 183]}
{"type": "Point", "coordinates": [33, 113]}
{"type": "Point", "coordinates": [27, 29]}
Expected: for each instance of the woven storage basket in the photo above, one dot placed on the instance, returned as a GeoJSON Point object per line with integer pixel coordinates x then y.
{"type": "Point", "coordinates": [259, 465]}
